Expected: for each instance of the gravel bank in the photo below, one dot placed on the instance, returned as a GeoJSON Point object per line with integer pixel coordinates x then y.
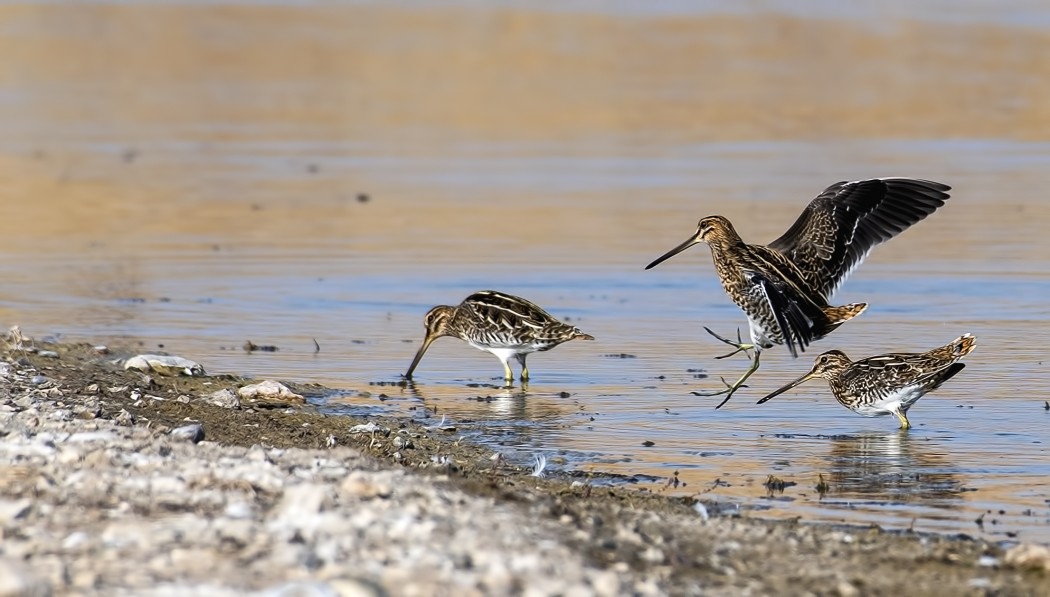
{"type": "Point", "coordinates": [104, 490]}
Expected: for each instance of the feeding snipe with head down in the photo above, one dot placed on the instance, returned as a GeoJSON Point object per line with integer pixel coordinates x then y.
{"type": "Point", "coordinates": [503, 324]}
{"type": "Point", "coordinates": [784, 287]}
{"type": "Point", "coordinates": [889, 383]}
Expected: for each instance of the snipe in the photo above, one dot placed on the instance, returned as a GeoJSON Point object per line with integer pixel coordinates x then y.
{"type": "Point", "coordinates": [887, 384]}
{"type": "Point", "coordinates": [784, 287]}
{"type": "Point", "coordinates": [503, 324]}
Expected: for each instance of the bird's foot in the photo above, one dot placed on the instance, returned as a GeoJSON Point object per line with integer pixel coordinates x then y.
{"type": "Point", "coordinates": [739, 345]}
{"type": "Point", "coordinates": [729, 390]}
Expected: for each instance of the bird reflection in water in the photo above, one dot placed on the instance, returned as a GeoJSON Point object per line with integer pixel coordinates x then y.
{"type": "Point", "coordinates": [892, 467]}
{"type": "Point", "coordinates": [489, 402]}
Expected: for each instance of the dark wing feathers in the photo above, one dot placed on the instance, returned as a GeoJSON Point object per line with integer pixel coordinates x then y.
{"type": "Point", "coordinates": [795, 326]}
{"type": "Point", "coordinates": [840, 227]}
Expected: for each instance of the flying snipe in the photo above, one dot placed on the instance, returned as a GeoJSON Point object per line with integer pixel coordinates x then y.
{"type": "Point", "coordinates": [503, 324]}
{"type": "Point", "coordinates": [889, 383]}
{"type": "Point", "coordinates": [784, 287]}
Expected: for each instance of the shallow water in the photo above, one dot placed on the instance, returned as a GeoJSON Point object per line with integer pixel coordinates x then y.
{"type": "Point", "coordinates": [194, 175]}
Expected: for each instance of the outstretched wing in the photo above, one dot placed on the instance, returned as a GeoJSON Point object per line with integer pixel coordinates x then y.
{"type": "Point", "coordinates": [844, 223]}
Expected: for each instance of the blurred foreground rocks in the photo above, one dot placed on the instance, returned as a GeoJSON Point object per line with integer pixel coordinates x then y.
{"type": "Point", "coordinates": [92, 506]}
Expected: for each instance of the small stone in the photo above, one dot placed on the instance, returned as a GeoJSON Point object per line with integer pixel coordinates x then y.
{"type": "Point", "coordinates": [271, 391]}
{"type": "Point", "coordinates": [224, 398]}
{"type": "Point", "coordinates": [61, 414]}
{"type": "Point", "coordinates": [48, 354]}
{"type": "Point", "coordinates": [164, 365]}
{"type": "Point", "coordinates": [846, 589]}
{"type": "Point", "coordinates": [364, 486]}
{"type": "Point", "coordinates": [356, 587]}
{"type": "Point", "coordinates": [987, 562]}
{"type": "Point", "coordinates": [11, 511]}
{"type": "Point", "coordinates": [182, 399]}
{"type": "Point", "coordinates": [1028, 555]}
{"type": "Point", "coordinates": [16, 579]}
{"type": "Point", "coordinates": [124, 418]}
{"type": "Point", "coordinates": [238, 510]}
{"type": "Point", "coordinates": [369, 427]}
{"type": "Point", "coordinates": [39, 380]}
{"type": "Point", "coordinates": [191, 433]}
{"type": "Point", "coordinates": [74, 540]}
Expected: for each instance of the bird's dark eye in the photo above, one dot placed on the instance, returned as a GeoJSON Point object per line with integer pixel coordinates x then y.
{"type": "Point", "coordinates": [823, 359]}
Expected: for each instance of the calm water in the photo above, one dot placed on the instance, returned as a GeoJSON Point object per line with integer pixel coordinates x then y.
{"type": "Point", "coordinates": [189, 175]}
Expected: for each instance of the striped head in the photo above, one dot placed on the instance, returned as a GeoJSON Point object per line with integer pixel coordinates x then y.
{"type": "Point", "coordinates": [713, 230]}
{"type": "Point", "coordinates": [828, 365]}
{"type": "Point", "coordinates": [437, 323]}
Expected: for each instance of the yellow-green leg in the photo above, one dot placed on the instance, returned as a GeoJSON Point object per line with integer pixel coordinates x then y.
{"type": "Point", "coordinates": [903, 418]}
{"type": "Point", "coordinates": [508, 375]}
{"type": "Point", "coordinates": [730, 389]}
{"type": "Point", "coordinates": [524, 367]}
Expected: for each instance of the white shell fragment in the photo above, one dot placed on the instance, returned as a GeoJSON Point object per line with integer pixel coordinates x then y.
{"type": "Point", "coordinates": [164, 365]}
{"type": "Point", "coordinates": [269, 390]}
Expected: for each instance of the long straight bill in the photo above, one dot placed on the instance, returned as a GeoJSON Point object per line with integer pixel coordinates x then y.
{"type": "Point", "coordinates": [419, 356]}
{"type": "Point", "coordinates": [791, 385]}
{"type": "Point", "coordinates": [692, 241]}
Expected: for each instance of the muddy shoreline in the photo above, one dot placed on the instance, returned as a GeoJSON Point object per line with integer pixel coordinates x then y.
{"type": "Point", "coordinates": [582, 534]}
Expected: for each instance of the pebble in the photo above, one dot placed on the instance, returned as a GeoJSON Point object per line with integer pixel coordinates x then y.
{"type": "Point", "coordinates": [17, 581]}
{"type": "Point", "coordinates": [369, 427]}
{"type": "Point", "coordinates": [224, 398]}
{"type": "Point", "coordinates": [164, 365]}
{"type": "Point", "coordinates": [11, 511]}
{"type": "Point", "coordinates": [190, 433]}
{"type": "Point", "coordinates": [1029, 556]}
{"type": "Point", "coordinates": [269, 390]}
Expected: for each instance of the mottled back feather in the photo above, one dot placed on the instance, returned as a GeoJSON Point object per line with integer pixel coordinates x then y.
{"type": "Point", "coordinates": [489, 317]}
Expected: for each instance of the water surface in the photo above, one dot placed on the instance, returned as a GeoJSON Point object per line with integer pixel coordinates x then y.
{"type": "Point", "coordinates": [199, 174]}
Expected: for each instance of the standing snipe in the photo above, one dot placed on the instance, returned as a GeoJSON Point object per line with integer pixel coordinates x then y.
{"type": "Point", "coordinates": [503, 324]}
{"type": "Point", "coordinates": [889, 383]}
{"type": "Point", "coordinates": [784, 287]}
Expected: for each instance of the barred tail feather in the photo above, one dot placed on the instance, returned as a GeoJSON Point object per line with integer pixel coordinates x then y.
{"type": "Point", "coordinates": [834, 317]}
{"type": "Point", "coordinates": [837, 315]}
{"type": "Point", "coordinates": [963, 345]}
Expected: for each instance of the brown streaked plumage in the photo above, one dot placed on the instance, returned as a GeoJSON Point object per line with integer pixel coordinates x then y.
{"type": "Point", "coordinates": [889, 383]}
{"type": "Point", "coordinates": [784, 287]}
{"type": "Point", "coordinates": [503, 324]}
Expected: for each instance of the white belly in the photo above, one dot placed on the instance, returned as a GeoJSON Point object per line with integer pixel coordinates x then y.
{"type": "Point", "coordinates": [758, 336]}
{"type": "Point", "coordinates": [502, 352]}
{"type": "Point", "coordinates": [899, 400]}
